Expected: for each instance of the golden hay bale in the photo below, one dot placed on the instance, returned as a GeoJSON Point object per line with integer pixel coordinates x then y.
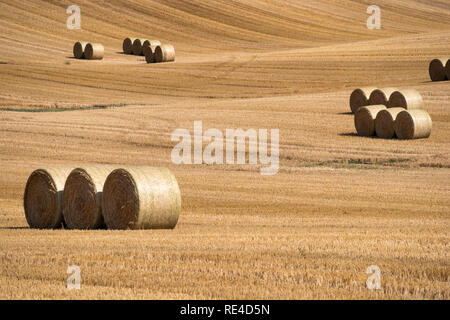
{"type": "Point", "coordinates": [94, 51]}
{"type": "Point", "coordinates": [43, 197]}
{"type": "Point", "coordinates": [447, 69]}
{"type": "Point", "coordinates": [413, 124]}
{"type": "Point", "coordinates": [78, 49]}
{"type": "Point", "coordinates": [82, 197]}
{"type": "Point", "coordinates": [360, 98]}
{"type": "Point", "coordinates": [165, 53]}
{"type": "Point", "coordinates": [150, 43]}
{"type": "Point", "coordinates": [384, 122]}
{"type": "Point", "coordinates": [138, 46]}
{"type": "Point", "coordinates": [381, 96]}
{"type": "Point", "coordinates": [437, 69]}
{"type": "Point", "coordinates": [128, 45]}
{"type": "Point", "coordinates": [141, 198]}
{"type": "Point", "coordinates": [149, 53]}
{"type": "Point", "coordinates": [365, 120]}
{"type": "Point", "coordinates": [408, 99]}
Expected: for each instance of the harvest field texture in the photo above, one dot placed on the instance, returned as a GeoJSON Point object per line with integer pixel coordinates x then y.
{"type": "Point", "coordinates": [337, 204]}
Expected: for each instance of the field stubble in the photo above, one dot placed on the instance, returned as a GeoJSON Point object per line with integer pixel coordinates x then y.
{"type": "Point", "coordinates": [339, 203]}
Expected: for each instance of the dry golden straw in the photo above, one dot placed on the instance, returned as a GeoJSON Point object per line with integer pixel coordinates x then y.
{"type": "Point", "coordinates": [82, 197]}
{"type": "Point", "coordinates": [413, 124]}
{"type": "Point", "coordinates": [381, 96]}
{"type": "Point", "coordinates": [384, 122]}
{"type": "Point", "coordinates": [141, 198]}
{"type": "Point", "coordinates": [164, 53]}
{"type": "Point", "coordinates": [94, 51]}
{"type": "Point", "coordinates": [408, 99]}
{"type": "Point", "coordinates": [437, 69]}
{"type": "Point", "coordinates": [128, 45]}
{"type": "Point", "coordinates": [78, 49]}
{"type": "Point", "coordinates": [360, 98]}
{"type": "Point", "coordinates": [365, 120]}
{"type": "Point", "coordinates": [43, 197]}
{"type": "Point", "coordinates": [138, 46]}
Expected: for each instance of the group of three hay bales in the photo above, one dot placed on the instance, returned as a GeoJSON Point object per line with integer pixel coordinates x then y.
{"type": "Point", "coordinates": [439, 69]}
{"type": "Point", "coordinates": [153, 50]}
{"type": "Point", "coordinates": [98, 197]}
{"type": "Point", "coordinates": [390, 113]}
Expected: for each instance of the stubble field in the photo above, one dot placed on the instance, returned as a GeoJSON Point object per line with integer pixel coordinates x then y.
{"type": "Point", "coordinates": [339, 203]}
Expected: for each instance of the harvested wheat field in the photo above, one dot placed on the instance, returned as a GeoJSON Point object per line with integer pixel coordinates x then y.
{"type": "Point", "coordinates": [338, 204]}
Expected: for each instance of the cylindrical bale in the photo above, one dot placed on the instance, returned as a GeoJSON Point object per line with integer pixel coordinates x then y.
{"type": "Point", "coordinates": [409, 99]}
{"type": "Point", "coordinates": [149, 53]}
{"type": "Point", "coordinates": [150, 43]}
{"type": "Point", "coordinates": [413, 124]}
{"type": "Point", "coordinates": [78, 49]}
{"type": "Point", "coordinates": [141, 198]}
{"type": "Point", "coordinates": [360, 98]}
{"type": "Point", "coordinates": [42, 200]}
{"type": "Point", "coordinates": [164, 53]}
{"type": "Point", "coordinates": [82, 197]}
{"type": "Point", "coordinates": [447, 69]}
{"type": "Point", "coordinates": [381, 96]}
{"type": "Point", "coordinates": [384, 122]}
{"type": "Point", "coordinates": [94, 51]}
{"type": "Point", "coordinates": [138, 46]}
{"type": "Point", "coordinates": [365, 120]}
{"type": "Point", "coordinates": [128, 45]}
{"type": "Point", "coordinates": [437, 69]}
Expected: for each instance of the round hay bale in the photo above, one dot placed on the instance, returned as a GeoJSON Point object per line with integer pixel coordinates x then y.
{"type": "Point", "coordinates": [408, 99]}
{"type": "Point", "coordinates": [384, 122]}
{"type": "Point", "coordinates": [128, 45]}
{"type": "Point", "coordinates": [149, 53]}
{"type": "Point", "coordinates": [82, 197]}
{"type": "Point", "coordinates": [413, 124]}
{"type": "Point", "coordinates": [437, 69]}
{"type": "Point", "coordinates": [381, 96]}
{"type": "Point", "coordinates": [94, 51]}
{"type": "Point", "coordinates": [365, 120]}
{"type": "Point", "coordinates": [42, 199]}
{"type": "Point", "coordinates": [360, 98]}
{"type": "Point", "coordinates": [150, 43]}
{"type": "Point", "coordinates": [138, 46]}
{"type": "Point", "coordinates": [78, 49]}
{"type": "Point", "coordinates": [165, 53]}
{"type": "Point", "coordinates": [141, 198]}
{"type": "Point", "coordinates": [447, 69]}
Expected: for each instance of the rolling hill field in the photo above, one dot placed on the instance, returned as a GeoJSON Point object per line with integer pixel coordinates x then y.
{"type": "Point", "coordinates": [339, 202]}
